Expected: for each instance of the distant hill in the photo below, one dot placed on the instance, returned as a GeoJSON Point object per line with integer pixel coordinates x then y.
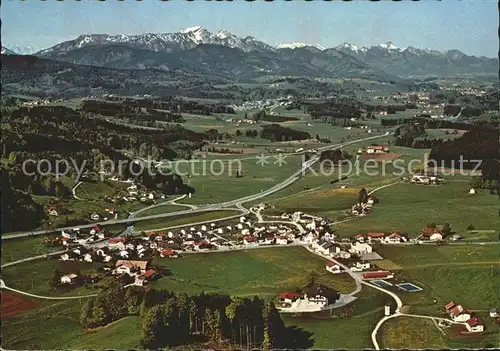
{"type": "Point", "coordinates": [420, 62]}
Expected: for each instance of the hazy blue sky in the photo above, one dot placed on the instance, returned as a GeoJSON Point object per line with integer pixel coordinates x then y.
{"type": "Point", "coordinates": [467, 25]}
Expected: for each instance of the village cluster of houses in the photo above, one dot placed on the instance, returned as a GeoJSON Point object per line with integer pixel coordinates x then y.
{"type": "Point", "coordinates": [382, 238]}
{"type": "Point", "coordinates": [40, 102]}
{"type": "Point", "coordinates": [374, 149]}
{"type": "Point", "coordinates": [135, 193]}
{"type": "Point", "coordinates": [425, 178]}
{"type": "Point", "coordinates": [362, 208]}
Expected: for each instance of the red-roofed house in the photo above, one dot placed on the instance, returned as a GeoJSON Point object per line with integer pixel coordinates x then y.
{"type": "Point", "coordinates": [474, 325]}
{"type": "Point", "coordinates": [360, 238]}
{"type": "Point", "coordinates": [116, 240]}
{"type": "Point", "coordinates": [449, 306]}
{"type": "Point", "coordinates": [433, 234]}
{"type": "Point", "coordinates": [282, 240]}
{"type": "Point", "coordinates": [395, 238]}
{"type": "Point", "coordinates": [377, 275]}
{"type": "Point", "coordinates": [333, 267]}
{"type": "Point", "coordinates": [150, 273]}
{"type": "Point", "coordinates": [459, 314]}
{"type": "Point", "coordinates": [289, 297]}
{"type": "Point", "coordinates": [249, 240]}
{"type": "Point", "coordinates": [168, 253]}
{"type": "Point", "coordinates": [376, 235]}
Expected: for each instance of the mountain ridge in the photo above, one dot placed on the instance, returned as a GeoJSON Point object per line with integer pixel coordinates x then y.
{"type": "Point", "coordinates": [163, 51]}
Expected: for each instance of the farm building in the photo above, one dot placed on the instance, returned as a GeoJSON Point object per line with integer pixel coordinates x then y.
{"type": "Point", "coordinates": [377, 275]}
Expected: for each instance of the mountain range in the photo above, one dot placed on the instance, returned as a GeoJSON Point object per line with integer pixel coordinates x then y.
{"type": "Point", "coordinates": [197, 51]}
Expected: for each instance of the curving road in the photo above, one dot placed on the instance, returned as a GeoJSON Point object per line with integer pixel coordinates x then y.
{"type": "Point", "coordinates": [212, 207]}
{"type": "Point", "coordinates": [3, 286]}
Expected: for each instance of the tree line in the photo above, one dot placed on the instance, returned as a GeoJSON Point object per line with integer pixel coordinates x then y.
{"type": "Point", "coordinates": [172, 319]}
{"type": "Point", "coordinates": [275, 132]}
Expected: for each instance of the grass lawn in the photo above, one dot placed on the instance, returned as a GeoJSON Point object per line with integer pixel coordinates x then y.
{"type": "Point", "coordinates": [410, 207]}
{"type": "Point", "coordinates": [17, 249]}
{"type": "Point", "coordinates": [159, 223]}
{"type": "Point", "coordinates": [262, 272]}
{"type": "Point", "coordinates": [212, 188]}
{"type": "Point", "coordinates": [394, 335]}
{"type": "Point", "coordinates": [34, 276]}
{"type": "Point", "coordinates": [466, 274]}
{"type": "Point", "coordinates": [161, 209]}
{"type": "Point", "coordinates": [55, 325]}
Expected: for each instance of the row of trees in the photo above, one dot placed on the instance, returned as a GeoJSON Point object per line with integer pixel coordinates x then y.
{"type": "Point", "coordinates": [170, 319]}
{"type": "Point", "coordinates": [482, 143]}
{"type": "Point", "coordinates": [275, 132]}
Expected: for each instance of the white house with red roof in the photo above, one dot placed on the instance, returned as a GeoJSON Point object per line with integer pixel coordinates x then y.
{"type": "Point", "coordinates": [334, 268]}
{"type": "Point", "coordinates": [375, 237]}
{"type": "Point", "coordinates": [474, 325]}
{"type": "Point", "coordinates": [395, 238]}
{"type": "Point", "coordinates": [360, 238]}
{"type": "Point", "coordinates": [289, 297]}
{"type": "Point", "coordinates": [457, 312]}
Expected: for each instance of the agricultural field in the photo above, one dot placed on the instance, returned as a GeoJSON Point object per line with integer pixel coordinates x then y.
{"type": "Point", "coordinates": [34, 277]}
{"type": "Point", "coordinates": [467, 274]}
{"type": "Point", "coordinates": [408, 208]}
{"type": "Point", "coordinates": [17, 249]}
{"type": "Point", "coordinates": [55, 325]}
{"type": "Point", "coordinates": [224, 186]}
{"type": "Point", "coordinates": [263, 272]}
{"type": "Point", "coordinates": [393, 335]}
{"type": "Point", "coordinates": [161, 209]}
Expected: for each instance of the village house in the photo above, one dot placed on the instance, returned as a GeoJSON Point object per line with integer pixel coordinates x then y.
{"type": "Point", "coordinates": [494, 313]}
{"type": "Point", "coordinates": [308, 238]}
{"type": "Point", "coordinates": [328, 247]}
{"type": "Point", "coordinates": [457, 312]}
{"type": "Point", "coordinates": [360, 248]}
{"type": "Point", "coordinates": [247, 240]}
{"type": "Point", "coordinates": [169, 253]}
{"type": "Point", "coordinates": [377, 275]}
{"type": "Point", "coordinates": [432, 234]}
{"type": "Point", "coordinates": [69, 278]}
{"type": "Point", "coordinates": [395, 238]}
{"type": "Point", "coordinates": [334, 268]}
{"type": "Point", "coordinates": [360, 266]}
{"type": "Point", "coordinates": [376, 149]}
{"type": "Point", "coordinates": [321, 295]}
{"type": "Point", "coordinates": [52, 211]}
{"type": "Point", "coordinates": [282, 240]}
{"type": "Point", "coordinates": [131, 267]}
{"type": "Point", "coordinates": [360, 238]}
{"type": "Point", "coordinates": [474, 325]}
{"type": "Point", "coordinates": [287, 298]}
{"type": "Point", "coordinates": [375, 237]}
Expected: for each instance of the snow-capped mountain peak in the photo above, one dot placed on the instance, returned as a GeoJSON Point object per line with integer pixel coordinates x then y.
{"type": "Point", "coordinates": [191, 29]}
{"type": "Point", "coordinates": [389, 46]}
{"type": "Point", "coordinates": [223, 34]}
{"type": "Point", "coordinates": [22, 49]}
{"type": "Point", "coordinates": [351, 47]}
{"type": "Point", "coordinates": [297, 45]}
